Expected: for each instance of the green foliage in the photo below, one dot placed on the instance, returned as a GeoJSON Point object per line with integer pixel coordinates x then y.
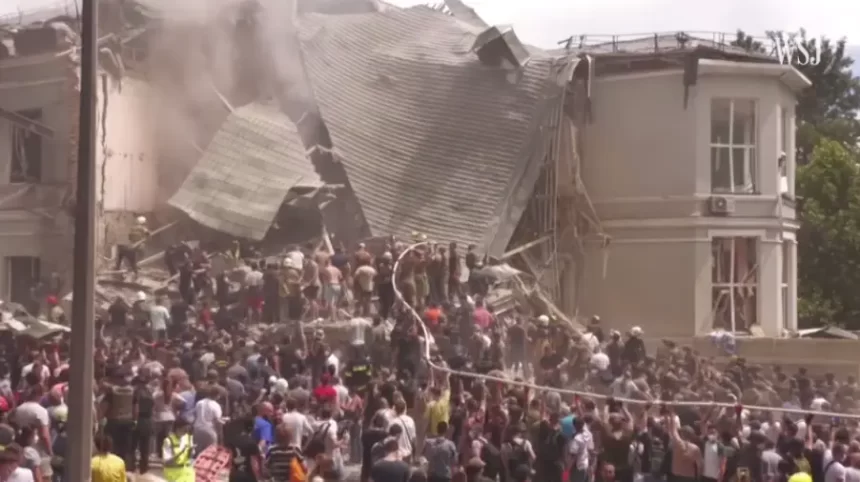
{"type": "Point", "coordinates": [829, 241]}
{"type": "Point", "coordinates": [829, 108]}
{"type": "Point", "coordinates": [748, 43]}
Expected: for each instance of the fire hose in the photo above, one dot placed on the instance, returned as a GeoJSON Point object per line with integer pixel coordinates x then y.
{"type": "Point", "coordinates": [577, 393]}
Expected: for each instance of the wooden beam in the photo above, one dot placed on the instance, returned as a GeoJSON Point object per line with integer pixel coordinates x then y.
{"type": "Point", "coordinates": [27, 124]}
{"type": "Point", "coordinates": [525, 247]}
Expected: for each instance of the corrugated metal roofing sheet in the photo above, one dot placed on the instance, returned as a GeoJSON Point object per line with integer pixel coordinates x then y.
{"type": "Point", "coordinates": [433, 140]}
{"type": "Point", "coordinates": [246, 171]}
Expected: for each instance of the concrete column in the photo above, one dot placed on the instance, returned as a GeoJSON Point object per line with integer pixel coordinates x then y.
{"type": "Point", "coordinates": [791, 267]}
{"type": "Point", "coordinates": [769, 145]}
{"type": "Point", "coordinates": [770, 287]}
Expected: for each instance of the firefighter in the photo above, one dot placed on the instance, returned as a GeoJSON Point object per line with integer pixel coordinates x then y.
{"type": "Point", "coordinates": [358, 371]}
{"type": "Point", "coordinates": [129, 251]}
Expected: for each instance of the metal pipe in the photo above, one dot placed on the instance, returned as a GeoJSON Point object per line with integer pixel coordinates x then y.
{"type": "Point", "coordinates": [83, 327]}
{"type": "Point", "coordinates": [543, 388]}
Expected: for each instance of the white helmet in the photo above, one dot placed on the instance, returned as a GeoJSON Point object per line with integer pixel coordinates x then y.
{"type": "Point", "coordinates": [543, 319]}
{"type": "Point", "coordinates": [141, 220]}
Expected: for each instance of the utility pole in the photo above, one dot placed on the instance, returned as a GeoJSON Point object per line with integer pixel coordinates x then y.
{"type": "Point", "coordinates": [83, 314]}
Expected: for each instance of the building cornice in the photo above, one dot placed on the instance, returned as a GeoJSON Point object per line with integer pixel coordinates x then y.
{"type": "Point", "coordinates": [786, 74]}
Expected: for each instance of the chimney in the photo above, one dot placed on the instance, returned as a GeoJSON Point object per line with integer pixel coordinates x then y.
{"type": "Point", "coordinates": [499, 44]}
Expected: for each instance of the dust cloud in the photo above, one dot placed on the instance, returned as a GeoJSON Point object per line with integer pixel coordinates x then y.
{"type": "Point", "coordinates": [244, 49]}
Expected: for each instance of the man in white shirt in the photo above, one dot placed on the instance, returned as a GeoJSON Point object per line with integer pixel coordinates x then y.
{"type": "Point", "coordinates": [10, 469]}
{"type": "Point", "coordinates": [295, 259]}
{"type": "Point", "coordinates": [44, 371]}
{"type": "Point", "coordinates": [32, 414]}
{"type": "Point", "coordinates": [834, 470]}
{"type": "Point", "coordinates": [333, 361]}
{"type": "Point", "coordinates": [580, 446]}
{"type": "Point", "coordinates": [159, 317]}
{"type": "Point", "coordinates": [712, 456]}
{"type": "Point", "coordinates": [207, 421]}
{"type": "Point", "coordinates": [406, 441]}
{"type": "Point", "coordinates": [297, 422]}
{"type": "Point", "coordinates": [359, 327]}
{"type": "Point", "coordinates": [332, 444]}
{"type": "Point", "coordinates": [364, 276]}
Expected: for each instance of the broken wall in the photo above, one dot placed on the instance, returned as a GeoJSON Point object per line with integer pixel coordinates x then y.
{"type": "Point", "coordinates": [126, 155]}
{"type": "Point", "coordinates": [34, 222]}
{"type": "Point", "coordinates": [126, 160]}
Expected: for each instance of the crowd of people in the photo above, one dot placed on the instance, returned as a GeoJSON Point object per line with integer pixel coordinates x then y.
{"type": "Point", "coordinates": [235, 359]}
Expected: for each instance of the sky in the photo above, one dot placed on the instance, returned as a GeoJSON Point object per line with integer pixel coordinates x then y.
{"type": "Point", "coordinates": [545, 22]}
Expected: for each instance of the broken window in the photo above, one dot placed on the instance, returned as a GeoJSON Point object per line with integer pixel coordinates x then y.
{"type": "Point", "coordinates": [733, 146]}
{"type": "Point", "coordinates": [26, 150]}
{"type": "Point", "coordinates": [23, 274]}
{"type": "Point", "coordinates": [735, 282]}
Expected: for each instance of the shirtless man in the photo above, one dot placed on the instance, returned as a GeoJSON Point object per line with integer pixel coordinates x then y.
{"type": "Point", "coordinates": [332, 279]}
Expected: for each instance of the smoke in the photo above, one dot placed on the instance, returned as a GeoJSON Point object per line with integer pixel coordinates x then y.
{"type": "Point", "coordinates": [244, 49]}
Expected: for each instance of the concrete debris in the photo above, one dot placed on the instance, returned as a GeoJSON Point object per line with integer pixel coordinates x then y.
{"type": "Point", "coordinates": [15, 319]}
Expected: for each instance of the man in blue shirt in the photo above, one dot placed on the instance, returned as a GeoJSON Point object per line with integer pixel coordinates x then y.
{"type": "Point", "coordinates": [263, 428]}
{"type": "Point", "coordinates": [566, 423]}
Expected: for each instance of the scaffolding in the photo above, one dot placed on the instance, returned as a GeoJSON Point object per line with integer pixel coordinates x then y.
{"type": "Point", "coordinates": [549, 241]}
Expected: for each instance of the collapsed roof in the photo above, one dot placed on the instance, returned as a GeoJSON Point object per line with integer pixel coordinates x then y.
{"type": "Point", "coordinates": [433, 139]}
{"type": "Point", "coordinates": [252, 163]}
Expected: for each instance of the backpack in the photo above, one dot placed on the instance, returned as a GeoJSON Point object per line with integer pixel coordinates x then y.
{"type": "Point", "coordinates": [298, 473]}
{"type": "Point", "coordinates": [491, 456]}
{"type": "Point", "coordinates": [519, 456]}
{"type": "Point", "coordinates": [316, 444]}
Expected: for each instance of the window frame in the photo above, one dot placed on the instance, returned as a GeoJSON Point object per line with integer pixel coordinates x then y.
{"type": "Point", "coordinates": [786, 140]}
{"type": "Point", "coordinates": [788, 279]}
{"type": "Point", "coordinates": [751, 163]}
{"type": "Point", "coordinates": [733, 286]}
{"type": "Point", "coordinates": [20, 139]}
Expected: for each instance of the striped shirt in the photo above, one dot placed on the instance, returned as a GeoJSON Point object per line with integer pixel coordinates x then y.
{"type": "Point", "coordinates": [278, 461]}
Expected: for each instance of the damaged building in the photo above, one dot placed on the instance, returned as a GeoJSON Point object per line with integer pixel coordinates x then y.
{"type": "Point", "coordinates": [39, 109]}
{"type": "Point", "coordinates": [637, 180]}
{"type": "Point", "coordinates": [38, 119]}
{"type": "Point", "coordinates": [428, 120]}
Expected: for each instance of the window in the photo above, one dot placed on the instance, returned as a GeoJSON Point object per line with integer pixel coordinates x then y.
{"type": "Point", "coordinates": [785, 181]}
{"type": "Point", "coordinates": [26, 151]}
{"type": "Point", "coordinates": [733, 146]}
{"type": "Point", "coordinates": [23, 274]}
{"type": "Point", "coordinates": [735, 282]}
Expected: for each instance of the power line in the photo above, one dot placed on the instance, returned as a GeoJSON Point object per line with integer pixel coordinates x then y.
{"type": "Point", "coordinates": [544, 388]}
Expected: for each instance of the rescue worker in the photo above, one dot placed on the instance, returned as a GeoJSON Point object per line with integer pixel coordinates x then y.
{"type": "Point", "coordinates": [120, 411]}
{"type": "Point", "coordinates": [358, 371]}
{"type": "Point", "coordinates": [129, 251]}
{"type": "Point", "coordinates": [177, 453]}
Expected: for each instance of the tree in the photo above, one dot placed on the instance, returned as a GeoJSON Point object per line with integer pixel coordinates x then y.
{"type": "Point", "coordinates": [828, 109]}
{"type": "Point", "coordinates": [829, 239]}
{"type": "Point", "coordinates": [748, 43]}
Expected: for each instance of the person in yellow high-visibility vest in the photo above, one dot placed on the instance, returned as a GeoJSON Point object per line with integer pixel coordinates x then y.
{"type": "Point", "coordinates": [177, 452]}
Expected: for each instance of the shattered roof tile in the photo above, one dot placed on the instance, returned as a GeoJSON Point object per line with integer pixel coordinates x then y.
{"type": "Point", "coordinates": [433, 140]}
{"type": "Point", "coordinates": [250, 165]}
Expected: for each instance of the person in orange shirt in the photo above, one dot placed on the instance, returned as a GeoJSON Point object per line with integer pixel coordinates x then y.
{"type": "Point", "coordinates": [433, 315]}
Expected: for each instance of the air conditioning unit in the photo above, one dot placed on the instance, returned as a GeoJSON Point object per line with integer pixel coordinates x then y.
{"type": "Point", "coordinates": [721, 205]}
